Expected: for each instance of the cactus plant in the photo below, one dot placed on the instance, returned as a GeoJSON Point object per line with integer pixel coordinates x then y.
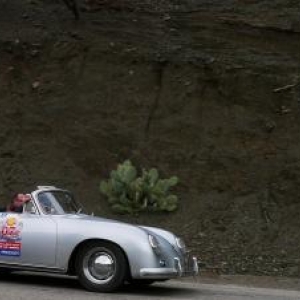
{"type": "Point", "coordinates": [129, 194]}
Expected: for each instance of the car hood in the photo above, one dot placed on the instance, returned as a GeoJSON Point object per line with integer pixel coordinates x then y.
{"type": "Point", "coordinates": [158, 232]}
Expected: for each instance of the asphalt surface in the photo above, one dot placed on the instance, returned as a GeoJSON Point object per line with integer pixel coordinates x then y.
{"type": "Point", "coordinates": [44, 287]}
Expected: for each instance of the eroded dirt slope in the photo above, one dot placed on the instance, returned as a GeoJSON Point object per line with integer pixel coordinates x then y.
{"type": "Point", "coordinates": [206, 91]}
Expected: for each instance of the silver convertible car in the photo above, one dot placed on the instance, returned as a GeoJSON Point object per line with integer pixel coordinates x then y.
{"type": "Point", "coordinates": [52, 234]}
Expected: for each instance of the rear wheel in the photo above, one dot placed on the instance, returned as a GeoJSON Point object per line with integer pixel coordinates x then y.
{"type": "Point", "coordinates": [101, 267]}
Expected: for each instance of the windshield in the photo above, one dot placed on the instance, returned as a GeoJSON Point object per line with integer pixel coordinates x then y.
{"type": "Point", "coordinates": [58, 203]}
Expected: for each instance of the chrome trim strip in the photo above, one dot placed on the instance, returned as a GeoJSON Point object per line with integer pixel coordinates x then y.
{"type": "Point", "coordinates": [29, 267]}
{"type": "Point", "coordinates": [158, 273]}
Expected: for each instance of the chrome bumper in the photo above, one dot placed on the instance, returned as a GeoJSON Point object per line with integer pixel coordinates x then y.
{"type": "Point", "coordinates": [190, 268]}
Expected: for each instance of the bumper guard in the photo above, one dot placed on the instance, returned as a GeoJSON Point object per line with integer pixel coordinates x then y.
{"type": "Point", "coordinates": [190, 268]}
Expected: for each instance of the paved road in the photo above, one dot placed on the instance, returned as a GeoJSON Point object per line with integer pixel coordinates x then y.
{"type": "Point", "coordinates": [43, 287]}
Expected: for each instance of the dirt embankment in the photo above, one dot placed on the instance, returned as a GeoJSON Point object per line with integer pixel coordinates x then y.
{"type": "Point", "coordinates": [204, 91]}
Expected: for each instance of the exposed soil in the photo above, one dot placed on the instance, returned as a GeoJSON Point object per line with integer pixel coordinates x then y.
{"type": "Point", "coordinates": [206, 91]}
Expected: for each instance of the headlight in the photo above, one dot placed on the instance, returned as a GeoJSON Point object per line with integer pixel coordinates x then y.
{"type": "Point", "coordinates": [180, 243]}
{"type": "Point", "coordinates": [153, 241]}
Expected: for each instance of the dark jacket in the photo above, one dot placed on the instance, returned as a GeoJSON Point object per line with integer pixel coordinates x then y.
{"type": "Point", "coordinates": [12, 209]}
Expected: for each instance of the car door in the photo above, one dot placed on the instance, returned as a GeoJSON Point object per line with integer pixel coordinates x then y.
{"type": "Point", "coordinates": [28, 239]}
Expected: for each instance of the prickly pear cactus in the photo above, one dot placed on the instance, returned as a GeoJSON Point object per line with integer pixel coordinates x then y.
{"type": "Point", "coordinates": [129, 194]}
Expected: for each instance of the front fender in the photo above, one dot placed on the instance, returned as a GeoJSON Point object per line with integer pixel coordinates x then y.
{"type": "Point", "coordinates": [132, 239]}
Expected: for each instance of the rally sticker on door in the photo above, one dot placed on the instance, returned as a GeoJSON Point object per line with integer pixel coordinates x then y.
{"type": "Point", "coordinates": [10, 235]}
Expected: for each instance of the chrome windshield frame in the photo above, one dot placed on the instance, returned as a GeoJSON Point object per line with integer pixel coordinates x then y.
{"type": "Point", "coordinates": [57, 205]}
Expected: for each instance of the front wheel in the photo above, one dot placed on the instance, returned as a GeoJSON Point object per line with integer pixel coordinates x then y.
{"type": "Point", "coordinates": [101, 267]}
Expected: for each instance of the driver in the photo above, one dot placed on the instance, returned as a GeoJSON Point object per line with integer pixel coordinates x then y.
{"type": "Point", "coordinates": [16, 204]}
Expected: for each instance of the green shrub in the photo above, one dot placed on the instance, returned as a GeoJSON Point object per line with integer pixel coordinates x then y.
{"type": "Point", "coordinates": [129, 193]}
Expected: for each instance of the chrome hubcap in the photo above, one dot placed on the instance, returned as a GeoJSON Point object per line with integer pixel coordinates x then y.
{"type": "Point", "coordinates": [99, 266]}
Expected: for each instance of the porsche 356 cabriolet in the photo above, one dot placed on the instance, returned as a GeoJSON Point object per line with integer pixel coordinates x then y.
{"type": "Point", "coordinates": [52, 234]}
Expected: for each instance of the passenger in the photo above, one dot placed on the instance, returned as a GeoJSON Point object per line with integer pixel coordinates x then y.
{"type": "Point", "coordinates": [16, 205]}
